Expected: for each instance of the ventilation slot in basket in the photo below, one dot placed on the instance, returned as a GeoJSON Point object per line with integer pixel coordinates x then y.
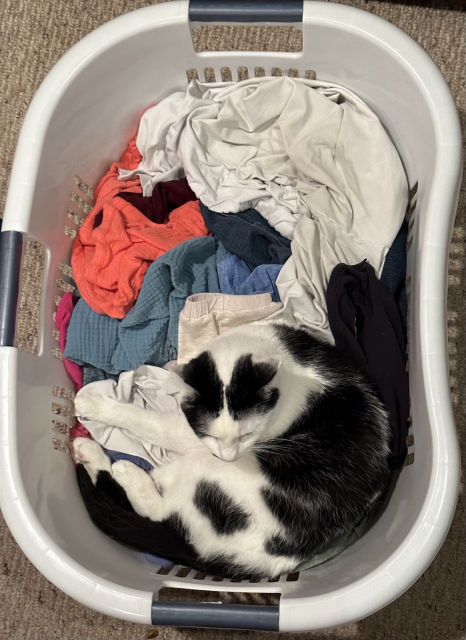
{"type": "Point", "coordinates": [60, 427]}
{"type": "Point", "coordinates": [66, 287]}
{"type": "Point", "coordinates": [185, 573]}
{"type": "Point", "coordinates": [61, 392]}
{"type": "Point", "coordinates": [80, 203]}
{"type": "Point", "coordinates": [62, 410]}
{"type": "Point", "coordinates": [226, 74]}
{"type": "Point", "coordinates": [209, 74]}
{"type": "Point", "coordinates": [66, 269]}
{"type": "Point", "coordinates": [243, 73]}
{"type": "Point", "coordinates": [61, 445]}
{"type": "Point", "coordinates": [74, 217]}
{"type": "Point", "coordinates": [84, 187]}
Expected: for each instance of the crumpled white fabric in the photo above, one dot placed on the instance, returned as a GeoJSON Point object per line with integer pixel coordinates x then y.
{"type": "Point", "coordinates": [148, 387]}
{"type": "Point", "coordinates": [303, 279]}
{"type": "Point", "coordinates": [284, 146]}
{"type": "Point", "coordinates": [310, 156]}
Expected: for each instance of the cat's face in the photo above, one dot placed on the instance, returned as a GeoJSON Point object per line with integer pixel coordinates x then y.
{"type": "Point", "coordinates": [230, 415]}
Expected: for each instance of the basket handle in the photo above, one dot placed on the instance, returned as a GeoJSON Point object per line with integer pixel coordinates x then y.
{"type": "Point", "coordinates": [10, 261]}
{"type": "Point", "coordinates": [246, 11]}
{"type": "Point", "coordinates": [219, 616]}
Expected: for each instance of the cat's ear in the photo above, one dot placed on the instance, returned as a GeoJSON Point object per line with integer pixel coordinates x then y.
{"type": "Point", "coordinates": [266, 368]}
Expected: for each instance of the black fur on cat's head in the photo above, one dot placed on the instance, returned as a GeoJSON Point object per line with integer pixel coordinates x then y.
{"type": "Point", "coordinates": [230, 413]}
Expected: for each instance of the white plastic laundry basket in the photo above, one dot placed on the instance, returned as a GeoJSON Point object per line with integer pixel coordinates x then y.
{"type": "Point", "coordinates": [80, 120]}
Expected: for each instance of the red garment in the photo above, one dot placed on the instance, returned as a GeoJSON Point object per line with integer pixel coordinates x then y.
{"type": "Point", "coordinates": [79, 431]}
{"type": "Point", "coordinates": [116, 244]}
{"type": "Point", "coordinates": [64, 311]}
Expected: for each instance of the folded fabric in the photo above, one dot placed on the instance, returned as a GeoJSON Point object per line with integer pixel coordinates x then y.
{"type": "Point", "coordinates": [206, 315]}
{"type": "Point", "coordinates": [236, 278]}
{"type": "Point", "coordinates": [148, 387]}
{"type": "Point", "coordinates": [394, 272]}
{"type": "Point", "coordinates": [365, 321]}
{"type": "Point", "coordinates": [284, 146]}
{"type": "Point", "coordinates": [117, 244]}
{"type": "Point", "coordinates": [165, 197]}
{"type": "Point", "coordinates": [149, 333]}
{"type": "Point", "coordinates": [249, 236]}
{"type": "Point", "coordinates": [62, 320]}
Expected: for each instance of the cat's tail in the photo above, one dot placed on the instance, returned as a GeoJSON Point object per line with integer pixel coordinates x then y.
{"type": "Point", "coordinates": [111, 511]}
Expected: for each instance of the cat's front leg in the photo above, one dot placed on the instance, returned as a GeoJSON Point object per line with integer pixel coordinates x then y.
{"type": "Point", "coordinates": [140, 489]}
{"type": "Point", "coordinates": [168, 430]}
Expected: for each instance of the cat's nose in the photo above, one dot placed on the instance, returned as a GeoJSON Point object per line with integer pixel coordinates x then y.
{"type": "Point", "coordinates": [228, 454]}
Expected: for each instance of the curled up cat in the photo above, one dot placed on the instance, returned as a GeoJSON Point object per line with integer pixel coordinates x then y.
{"type": "Point", "coordinates": [282, 446]}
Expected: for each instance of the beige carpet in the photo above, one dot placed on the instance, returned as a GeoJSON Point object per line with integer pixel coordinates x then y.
{"type": "Point", "coordinates": [34, 34]}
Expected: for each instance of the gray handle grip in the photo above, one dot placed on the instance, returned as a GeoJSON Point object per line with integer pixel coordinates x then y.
{"type": "Point", "coordinates": [219, 616]}
{"type": "Point", "coordinates": [246, 10]}
{"type": "Point", "coordinates": [10, 262]}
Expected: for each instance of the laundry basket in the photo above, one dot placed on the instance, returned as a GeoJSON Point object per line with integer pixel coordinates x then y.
{"type": "Point", "coordinates": [79, 122]}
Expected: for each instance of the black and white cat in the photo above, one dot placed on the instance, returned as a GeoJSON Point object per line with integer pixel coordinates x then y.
{"type": "Point", "coordinates": [283, 446]}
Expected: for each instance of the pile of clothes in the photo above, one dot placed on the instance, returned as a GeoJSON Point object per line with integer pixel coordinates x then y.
{"type": "Point", "coordinates": [268, 199]}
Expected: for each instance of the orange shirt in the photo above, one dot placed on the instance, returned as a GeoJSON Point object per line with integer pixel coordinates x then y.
{"type": "Point", "coordinates": [116, 243]}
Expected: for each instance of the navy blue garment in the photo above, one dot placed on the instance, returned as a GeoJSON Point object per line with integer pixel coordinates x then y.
{"type": "Point", "coordinates": [139, 462]}
{"type": "Point", "coordinates": [249, 236]}
{"type": "Point", "coordinates": [394, 272]}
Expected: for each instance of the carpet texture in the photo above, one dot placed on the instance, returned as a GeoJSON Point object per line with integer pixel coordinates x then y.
{"type": "Point", "coordinates": [34, 34]}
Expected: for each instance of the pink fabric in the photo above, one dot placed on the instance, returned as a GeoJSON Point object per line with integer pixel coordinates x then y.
{"type": "Point", "coordinates": [64, 311]}
{"type": "Point", "coordinates": [79, 431]}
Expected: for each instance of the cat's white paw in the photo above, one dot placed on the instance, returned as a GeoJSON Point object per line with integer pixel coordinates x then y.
{"type": "Point", "coordinates": [85, 450]}
{"type": "Point", "coordinates": [93, 406]}
{"type": "Point", "coordinates": [90, 454]}
{"type": "Point", "coordinates": [125, 472]}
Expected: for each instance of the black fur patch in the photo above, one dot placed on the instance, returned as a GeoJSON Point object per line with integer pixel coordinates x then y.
{"type": "Point", "coordinates": [287, 510]}
{"type": "Point", "coordinates": [246, 392]}
{"type": "Point", "coordinates": [206, 404]}
{"type": "Point", "coordinates": [225, 516]}
{"type": "Point", "coordinates": [307, 351]}
{"type": "Point", "coordinates": [278, 546]}
{"type": "Point", "coordinates": [167, 539]}
{"type": "Point", "coordinates": [106, 485]}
